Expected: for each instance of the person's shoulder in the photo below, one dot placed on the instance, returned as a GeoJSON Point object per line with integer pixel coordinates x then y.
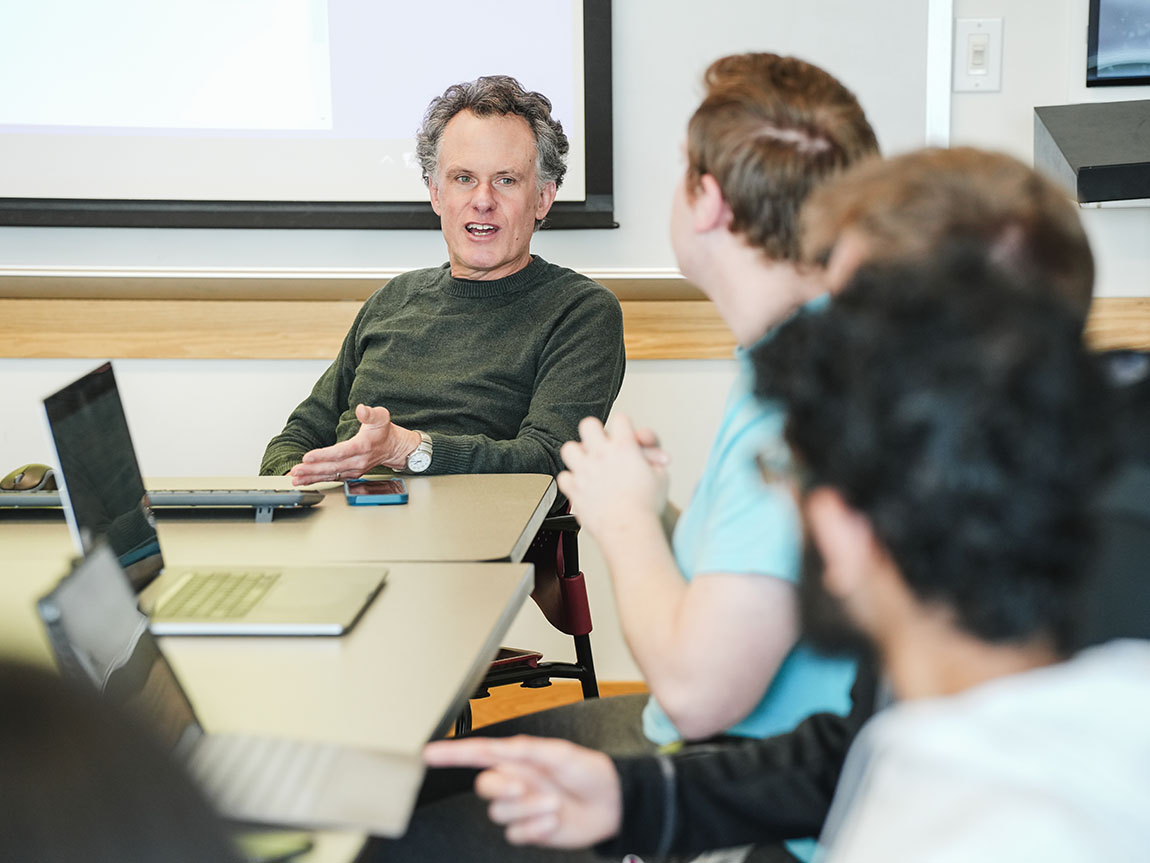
{"type": "Point", "coordinates": [410, 280]}
{"type": "Point", "coordinates": [571, 280]}
{"type": "Point", "coordinates": [420, 277]}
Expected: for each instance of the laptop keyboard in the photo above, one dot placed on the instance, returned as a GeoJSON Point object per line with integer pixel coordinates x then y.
{"type": "Point", "coordinates": [260, 775]}
{"type": "Point", "coordinates": [217, 595]}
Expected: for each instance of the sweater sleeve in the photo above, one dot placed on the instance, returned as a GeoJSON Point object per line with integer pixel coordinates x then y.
{"type": "Point", "coordinates": [579, 374]}
{"type": "Point", "coordinates": [722, 795]}
{"type": "Point", "coordinates": [315, 421]}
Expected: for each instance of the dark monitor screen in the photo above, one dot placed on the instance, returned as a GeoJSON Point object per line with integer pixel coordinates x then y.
{"type": "Point", "coordinates": [100, 483]}
{"type": "Point", "coordinates": [1118, 43]}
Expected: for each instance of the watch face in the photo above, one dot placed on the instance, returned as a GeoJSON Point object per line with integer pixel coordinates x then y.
{"type": "Point", "coordinates": [418, 461]}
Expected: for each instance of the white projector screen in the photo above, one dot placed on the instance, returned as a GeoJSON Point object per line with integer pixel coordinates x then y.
{"type": "Point", "coordinates": [274, 113]}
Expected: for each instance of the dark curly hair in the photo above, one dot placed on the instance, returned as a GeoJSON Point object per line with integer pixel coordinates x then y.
{"type": "Point", "coordinates": [966, 421]}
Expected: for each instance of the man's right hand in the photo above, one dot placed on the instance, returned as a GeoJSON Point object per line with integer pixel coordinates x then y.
{"type": "Point", "coordinates": [379, 441]}
{"type": "Point", "coordinates": [545, 792]}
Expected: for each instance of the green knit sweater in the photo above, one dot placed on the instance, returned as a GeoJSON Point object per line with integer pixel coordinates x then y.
{"type": "Point", "coordinates": [499, 373]}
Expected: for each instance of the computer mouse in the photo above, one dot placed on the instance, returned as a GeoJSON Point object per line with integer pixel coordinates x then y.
{"type": "Point", "coordinates": [30, 477]}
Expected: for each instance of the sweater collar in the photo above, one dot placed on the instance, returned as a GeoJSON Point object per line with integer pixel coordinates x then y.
{"type": "Point", "coordinates": [514, 283]}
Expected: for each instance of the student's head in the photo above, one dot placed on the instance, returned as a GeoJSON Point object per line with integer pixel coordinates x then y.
{"type": "Point", "coordinates": [80, 782]}
{"type": "Point", "coordinates": [770, 129]}
{"type": "Point", "coordinates": [492, 157]}
{"type": "Point", "coordinates": [907, 207]}
{"type": "Point", "coordinates": [944, 426]}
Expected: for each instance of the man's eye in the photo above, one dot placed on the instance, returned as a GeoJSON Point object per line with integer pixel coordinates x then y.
{"type": "Point", "coordinates": [463, 178]}
{"type": "Point", "coordinates": [506, 181]}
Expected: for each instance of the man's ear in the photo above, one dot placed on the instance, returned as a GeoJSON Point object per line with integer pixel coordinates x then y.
{"type": "Point", "coordinates": [708, 206]}
{"type": "Point", "coordinates": [433, 191]}
{"type": "Point", "coordinates": [546, 199]}
{"type": "Point", "coordinates": [843, 537]}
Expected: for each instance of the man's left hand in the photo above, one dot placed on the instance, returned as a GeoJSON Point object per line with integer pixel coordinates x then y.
{"type": "Point", "coordinates": [379, 441]}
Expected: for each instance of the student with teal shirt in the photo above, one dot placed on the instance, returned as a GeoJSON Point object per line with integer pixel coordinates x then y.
{"type": "Point", "coordinates": [723, 531]}
{"type": "Point", "coordinates": [708, 599]}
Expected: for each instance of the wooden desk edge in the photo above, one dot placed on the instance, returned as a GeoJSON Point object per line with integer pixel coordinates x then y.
{"type": "Point", "coordinates": [37, 328]}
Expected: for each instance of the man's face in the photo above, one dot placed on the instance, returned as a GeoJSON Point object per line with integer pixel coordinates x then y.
{"type": "Point", "coordinates": [682, 230]}
{"type": "Point", "coordinates": [837, 552]}
{"type": "Point", "coordinates": [826, 625]}
{"type": "Point", "coordinates": [486, 195]}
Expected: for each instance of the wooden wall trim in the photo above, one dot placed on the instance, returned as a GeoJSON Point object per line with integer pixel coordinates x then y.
{"type": "Point", "coordinates": [182, 283]}
{"type": "Point", "coordinates": [313, 329]}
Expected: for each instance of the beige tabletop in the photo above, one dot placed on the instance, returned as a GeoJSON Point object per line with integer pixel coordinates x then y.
{"type": "Point", "coordinates": [464, 517]}
{"type": "Point", "coordinates": [398, 679]}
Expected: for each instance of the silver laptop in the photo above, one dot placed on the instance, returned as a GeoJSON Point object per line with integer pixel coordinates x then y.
{"type": "Point", "coordinates": [100, 638]}
{"type": "Point", "coordinates": [103, 496]}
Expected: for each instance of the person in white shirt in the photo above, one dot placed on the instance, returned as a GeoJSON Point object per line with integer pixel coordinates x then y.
{"type": "Point", "coordinates": [946, 433]}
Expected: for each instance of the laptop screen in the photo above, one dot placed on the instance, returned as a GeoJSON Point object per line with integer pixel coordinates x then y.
{"type": "Point", "coordinates": [101, 488]}
{"type": "Point", "coordinates": [101, 639]}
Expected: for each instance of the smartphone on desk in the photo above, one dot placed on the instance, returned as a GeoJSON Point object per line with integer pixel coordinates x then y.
{"type": "Point", "coordinates": [373, 492]}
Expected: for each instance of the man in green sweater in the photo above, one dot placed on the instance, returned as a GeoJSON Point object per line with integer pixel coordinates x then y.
{"type": "Point", "coordinates": [487, 363]}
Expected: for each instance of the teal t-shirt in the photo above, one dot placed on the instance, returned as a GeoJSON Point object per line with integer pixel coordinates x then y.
{"type": "Point", "coordinates": [735, 523]}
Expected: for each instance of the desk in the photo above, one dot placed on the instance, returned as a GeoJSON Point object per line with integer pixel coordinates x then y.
{"type": "Point", "coordinates": [427, 638]}
{"type": "Point", "coordinates": [462, 517]}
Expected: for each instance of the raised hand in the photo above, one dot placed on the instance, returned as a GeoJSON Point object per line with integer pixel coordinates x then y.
{"type": "Point", "coordinates": [379, 441]}
{"type": "Point", "coordinates": [614, 475]}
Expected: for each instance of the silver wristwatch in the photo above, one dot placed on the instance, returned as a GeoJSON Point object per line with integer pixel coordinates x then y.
{"type": "Point", "coordinates": [419, 459]}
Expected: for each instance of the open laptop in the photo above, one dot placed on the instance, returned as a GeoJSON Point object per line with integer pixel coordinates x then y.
{"type": "Point", "coordinates": [103, 496]}
{"type": "Point", "coordinates": [101, 639]}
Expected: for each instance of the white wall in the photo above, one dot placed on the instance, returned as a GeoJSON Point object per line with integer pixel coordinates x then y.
{"type": "Point", "coordinates": [1044, 63]}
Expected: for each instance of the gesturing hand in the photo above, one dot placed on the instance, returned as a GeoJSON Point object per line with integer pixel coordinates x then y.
{"type": "Point", "coordinates": [614, 475]}
{"type": "Point", "coordinates": [545, 792]}
{"type": "Point", "coordinates": [378, 441]}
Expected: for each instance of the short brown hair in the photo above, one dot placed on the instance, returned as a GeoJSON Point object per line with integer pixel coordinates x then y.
{"type": "Point", "coordinates": [769, 129]}
{"type": "Point", "coordinates": [909, 207]}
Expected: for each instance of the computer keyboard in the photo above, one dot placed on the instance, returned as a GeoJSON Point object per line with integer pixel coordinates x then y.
{"type": "Point", "coordinates": [244, 498]}
{"type": "Point", "coordinates": [216, 595]}
{"type": "Point", "coordinates": [256, 775]}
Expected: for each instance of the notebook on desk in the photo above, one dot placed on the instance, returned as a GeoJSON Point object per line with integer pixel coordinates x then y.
{"type": "Point", "coordinates": [100, 639]}
{"type": "Point", "coordinates": [103, 497]}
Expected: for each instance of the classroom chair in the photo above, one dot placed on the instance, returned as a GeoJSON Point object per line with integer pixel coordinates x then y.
{"type": "Point", "coordinates": [561, 594]}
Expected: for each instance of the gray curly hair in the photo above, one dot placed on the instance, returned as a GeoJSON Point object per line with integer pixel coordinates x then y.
{"type": "Point", "coordinates": [495, 95]}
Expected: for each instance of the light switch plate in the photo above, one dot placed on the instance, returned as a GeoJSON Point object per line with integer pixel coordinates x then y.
{"type": "Point", "coordinates": [977, 55]}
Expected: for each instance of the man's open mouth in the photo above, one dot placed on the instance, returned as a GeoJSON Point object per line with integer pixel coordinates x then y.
{"type": "Point", "coordinates": [479, 230]}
